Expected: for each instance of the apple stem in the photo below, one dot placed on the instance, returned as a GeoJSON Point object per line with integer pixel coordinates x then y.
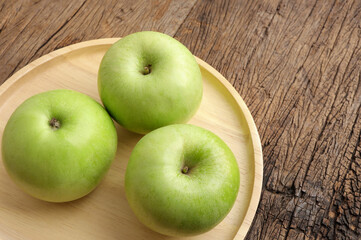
{"type": "Point", "coordinates": [54, 123]}
{"type": "Point", "coordinates": [185, 170]}
{"type": "Point", "coordinates": [147, 69]}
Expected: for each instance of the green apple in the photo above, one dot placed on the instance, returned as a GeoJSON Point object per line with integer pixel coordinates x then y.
{"type": "Point", "coordinates": [58, 145]}
{"type": "Point", "coordinates": [181, 180]}
{"type": "Point", "coordinates": [147, 80]}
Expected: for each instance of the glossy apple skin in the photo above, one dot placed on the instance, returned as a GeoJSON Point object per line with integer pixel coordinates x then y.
{"type": "Point", "coordinates": [171, 202]}
{"type": "Point", "coordinates": [170, 93]}
{"type": "Point", "coordinates": [63, 164]}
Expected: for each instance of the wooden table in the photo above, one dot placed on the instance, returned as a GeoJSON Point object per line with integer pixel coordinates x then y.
{"type": "Point", "coordinates": [297, 65]}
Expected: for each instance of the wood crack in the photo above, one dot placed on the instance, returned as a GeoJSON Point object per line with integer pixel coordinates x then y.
{"type": "Point", "coordinates": [59, 29]}
{"type": "Point", "coordinates": [184, 20]}
{"type": "Point", "coordinates": [14, 69]}
{"type": "Point", "coordinates": [339, 31]}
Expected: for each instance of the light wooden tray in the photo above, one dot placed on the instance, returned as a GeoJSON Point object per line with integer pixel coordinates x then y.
{"type": "Point", "coordinates": [105, 213]}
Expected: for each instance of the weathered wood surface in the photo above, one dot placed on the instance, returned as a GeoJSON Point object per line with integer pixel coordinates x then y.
{"type": "Point", "coordinates": [297, 65]}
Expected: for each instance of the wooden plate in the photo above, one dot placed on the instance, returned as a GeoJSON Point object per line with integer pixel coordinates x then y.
{"type": "Point", "coordinates": [105, 214]}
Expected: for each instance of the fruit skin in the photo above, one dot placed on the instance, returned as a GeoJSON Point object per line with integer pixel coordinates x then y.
{"type": "Point", "coordinates": [63, 164]}
{"type": "Point", "coordinates": [176, 204]}
{"type": "Point", "coordinates": [170, 93]}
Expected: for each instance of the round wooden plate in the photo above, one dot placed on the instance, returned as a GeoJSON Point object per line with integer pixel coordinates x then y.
{"type": "Point", "coordinates": [105, 214]}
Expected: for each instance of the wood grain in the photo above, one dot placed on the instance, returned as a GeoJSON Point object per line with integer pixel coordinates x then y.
{"type": "Point", "coordinates": [295, 63]}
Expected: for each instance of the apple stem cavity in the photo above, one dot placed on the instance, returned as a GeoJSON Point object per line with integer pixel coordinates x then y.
{"type": "Point", "coordinates": [54, 124]}
{"type": "Point", "coordinates": [147, 69]}
{"type": "Point", "coordinates": [185, 169]}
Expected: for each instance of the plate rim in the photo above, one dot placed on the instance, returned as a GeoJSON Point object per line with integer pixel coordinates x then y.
{"type": "Point", "coordinates": [255, 139]}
